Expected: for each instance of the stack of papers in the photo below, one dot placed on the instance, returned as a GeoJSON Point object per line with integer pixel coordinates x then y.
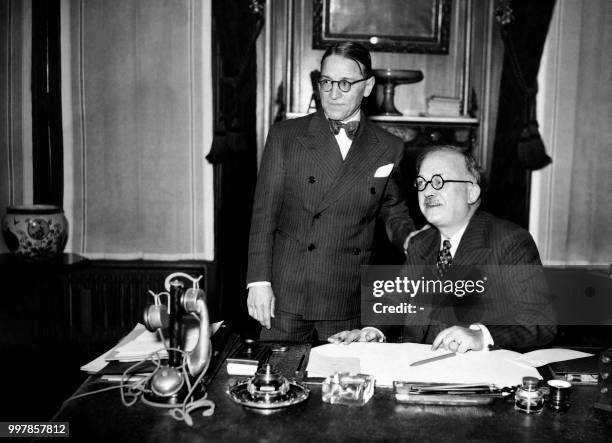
{"type": "Point", "coordinates": [389, 362]}
{"type": "Point", "coordinates": [139, 345]}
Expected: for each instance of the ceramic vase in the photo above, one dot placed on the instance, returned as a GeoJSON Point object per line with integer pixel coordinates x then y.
{"type": "Point", "coordinates": [35, 232]}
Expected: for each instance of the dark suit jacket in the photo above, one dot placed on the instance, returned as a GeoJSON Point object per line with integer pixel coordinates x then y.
{"type": "Point", "coordinates": [314, 214]}
{"type": "Point", "coordinates": [516, 305]}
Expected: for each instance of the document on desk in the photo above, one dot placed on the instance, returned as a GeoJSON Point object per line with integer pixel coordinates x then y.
{"type": "Point", "coordinates": [138, 345]}
{"type": "Point", "coordinates": [141, 343]}
{"type": "Point", "coordinates": [391, 361]}
{"type": "Point", "coordinates": [543, 357]}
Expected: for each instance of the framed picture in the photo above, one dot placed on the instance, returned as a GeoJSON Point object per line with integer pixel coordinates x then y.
{"type": "Point", "coordinates": [421, 26]}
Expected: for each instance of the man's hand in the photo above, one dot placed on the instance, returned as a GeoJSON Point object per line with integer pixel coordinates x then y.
{"type": "Point", "coordinates": [365, 334]}
{"type": "Point", "coordinates": [261, 304]}
{"type": "Point", "coordinates": [412, 234]}
{"type": "Point", "coordinates": [459, 339]}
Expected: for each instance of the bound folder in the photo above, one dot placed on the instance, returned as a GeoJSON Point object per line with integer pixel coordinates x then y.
{"type": "Point", "coordinates": [247, 358]}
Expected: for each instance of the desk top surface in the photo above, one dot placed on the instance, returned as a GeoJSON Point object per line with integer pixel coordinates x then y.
{"type": "Point", "coordinates": [103, 417]}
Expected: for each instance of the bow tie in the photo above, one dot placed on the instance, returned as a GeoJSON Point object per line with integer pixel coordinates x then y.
{"type": "Point", "coordinates": [349, 127]}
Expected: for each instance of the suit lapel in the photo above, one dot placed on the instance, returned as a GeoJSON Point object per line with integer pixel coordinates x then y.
{"type": "Point", "coordinates": [322, 147]}
{"type": "Point", "coordinates": [473, 249]}
{"type": "Point", "coordinates": [474, 246]}
{"type": "Point", "coordinates": [365, 151]}
{"type": "Point", "coordinates": [428, 247]}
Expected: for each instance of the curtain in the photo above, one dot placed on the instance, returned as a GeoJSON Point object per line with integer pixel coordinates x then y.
{"type": "Point", "coordinates": [47, 143]}
{"type": "Point", "coordinates": [236, 26]}
{"type": "Point", "coordinates": [518, 148]}
{"type": "Point", "coordinates": [572, 203]}
{"type": "Point", "coordinates": [136, 99]}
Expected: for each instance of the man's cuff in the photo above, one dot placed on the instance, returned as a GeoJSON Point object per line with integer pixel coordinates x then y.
{"type": "Point", "coordinates": [487, 339]}
{"type": "Point", "coordinates": [381, 336]}
{"type": "Point", "coordinates": [259, 283]}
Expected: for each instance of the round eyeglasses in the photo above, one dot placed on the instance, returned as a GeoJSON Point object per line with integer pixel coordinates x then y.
{"type": "Point", "coordinates": [326, 84]}
{"type": "Point", "coordinates": [437, 182]}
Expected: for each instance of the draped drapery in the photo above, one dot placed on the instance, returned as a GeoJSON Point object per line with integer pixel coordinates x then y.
{"type": "Point", "coordinates": [138, 124]}
{"type": "Point", "coordinates": [16, 181]}
{"type": "Point", "coordinates": [47, 140]}
{"type": "Point", "coordinates": [518, 148]}
{"type": "Point", "coordinates": [572, 201]}
{"type": "Point", "coordinates": [236, 26]}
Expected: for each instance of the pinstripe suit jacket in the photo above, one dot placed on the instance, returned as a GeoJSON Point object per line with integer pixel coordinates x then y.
{"type": "Point", "coordinates": [314, 214]}
{"type": "Point", "coordinates": [516, 306]}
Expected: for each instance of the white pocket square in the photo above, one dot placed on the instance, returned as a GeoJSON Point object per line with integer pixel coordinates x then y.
{"type": "Point", "coordinates": [384, 171]}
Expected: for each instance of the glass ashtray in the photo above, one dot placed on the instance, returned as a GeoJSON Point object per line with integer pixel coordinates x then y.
{"type": "Point", "coordinates": [348, 389]}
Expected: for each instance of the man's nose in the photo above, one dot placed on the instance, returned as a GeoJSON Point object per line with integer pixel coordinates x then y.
{"type": "Point", "coordinates": [335, 92]}
{"type": "Point", "coordinates": [429, 190]}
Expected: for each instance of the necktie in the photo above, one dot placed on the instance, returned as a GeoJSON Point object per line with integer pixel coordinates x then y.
{"type": "Point", "coordinates": [349, 127]}
{"type": "Point", "coordinates": [444, 258]}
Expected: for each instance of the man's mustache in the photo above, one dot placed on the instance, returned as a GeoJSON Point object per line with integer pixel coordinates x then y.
{"type": "Point", "coordinates": [431, 200]}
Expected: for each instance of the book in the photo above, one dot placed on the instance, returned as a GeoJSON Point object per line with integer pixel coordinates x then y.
{"type": "Point", "coordinates": [581, 371]}
{"type": "Point", "coordinates": [444, 106]}
{"type": "Point", "coordinates": [247, 358]}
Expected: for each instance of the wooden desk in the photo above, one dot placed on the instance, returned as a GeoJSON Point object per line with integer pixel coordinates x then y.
{"type": "Point", "coordinates": [103, 418]}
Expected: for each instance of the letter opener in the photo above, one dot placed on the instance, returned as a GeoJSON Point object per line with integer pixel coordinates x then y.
{"type": "Point", "coordinates": [432, 359]}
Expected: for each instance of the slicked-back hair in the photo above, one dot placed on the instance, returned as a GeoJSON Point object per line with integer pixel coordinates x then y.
{"type": "Point", "coordinates": [354, 51]}
{"type": "Point", "coordinates": [471, 164]}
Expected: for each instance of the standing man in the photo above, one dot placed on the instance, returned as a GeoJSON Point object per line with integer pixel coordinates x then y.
{"type": "Point", "coordinates": [468, 244]}
{"type": "Point", "coordinates": [324, 180]}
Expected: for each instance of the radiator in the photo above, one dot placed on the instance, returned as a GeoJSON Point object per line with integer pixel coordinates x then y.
{"type": "Point", "coordinates": [107, 299]}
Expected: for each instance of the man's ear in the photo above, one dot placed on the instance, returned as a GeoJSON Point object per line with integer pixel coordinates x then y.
{"type": "Point", "coordinates": [369, 85]}
{"type": "Point", "coordinates": [473, 193]}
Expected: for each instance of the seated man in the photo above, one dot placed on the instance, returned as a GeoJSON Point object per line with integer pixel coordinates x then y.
{"type": "Point", "coordinates": [514, 312]}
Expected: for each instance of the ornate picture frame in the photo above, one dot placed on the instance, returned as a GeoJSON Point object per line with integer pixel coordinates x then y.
{"type": "Point", "coordinates": [419, 26]}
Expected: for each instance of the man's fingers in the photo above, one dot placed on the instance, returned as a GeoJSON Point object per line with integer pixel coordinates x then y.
{"type": "Point", "coordinates": [345, 337]}
{"type": "Point", "coordinates": [251, 307]}
{"type": "Point", "coordinates": [264, 309]}
{"type": "Point", "coordinates": [439, 340]}
{"type": "Point", "coordinates": [464, 347]}
{"type": "Point", "coordinates": [351, 336]}
{"type": "Point", "coordinates": [452, 346]}
{"type": "Point", "coordinates": [260, 303]}
{"type": "Point", "coordinates": [370, 336]}
{"type": "Point", "coordinates": [337, 338]}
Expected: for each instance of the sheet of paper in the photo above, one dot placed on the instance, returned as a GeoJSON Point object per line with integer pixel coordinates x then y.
{"type": "Point", "coordinates": [96, 364]}
{"type": "Point", "coordinates": [327, 365]}
{"type": "Point", "coordinates": [391, 361]}
{"type": "Point", "coordinates": [141, 343]}
{"type": "Point", "coordinates": [543, 357]}
{"type": "Point", "coordinates": [100, 362]}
